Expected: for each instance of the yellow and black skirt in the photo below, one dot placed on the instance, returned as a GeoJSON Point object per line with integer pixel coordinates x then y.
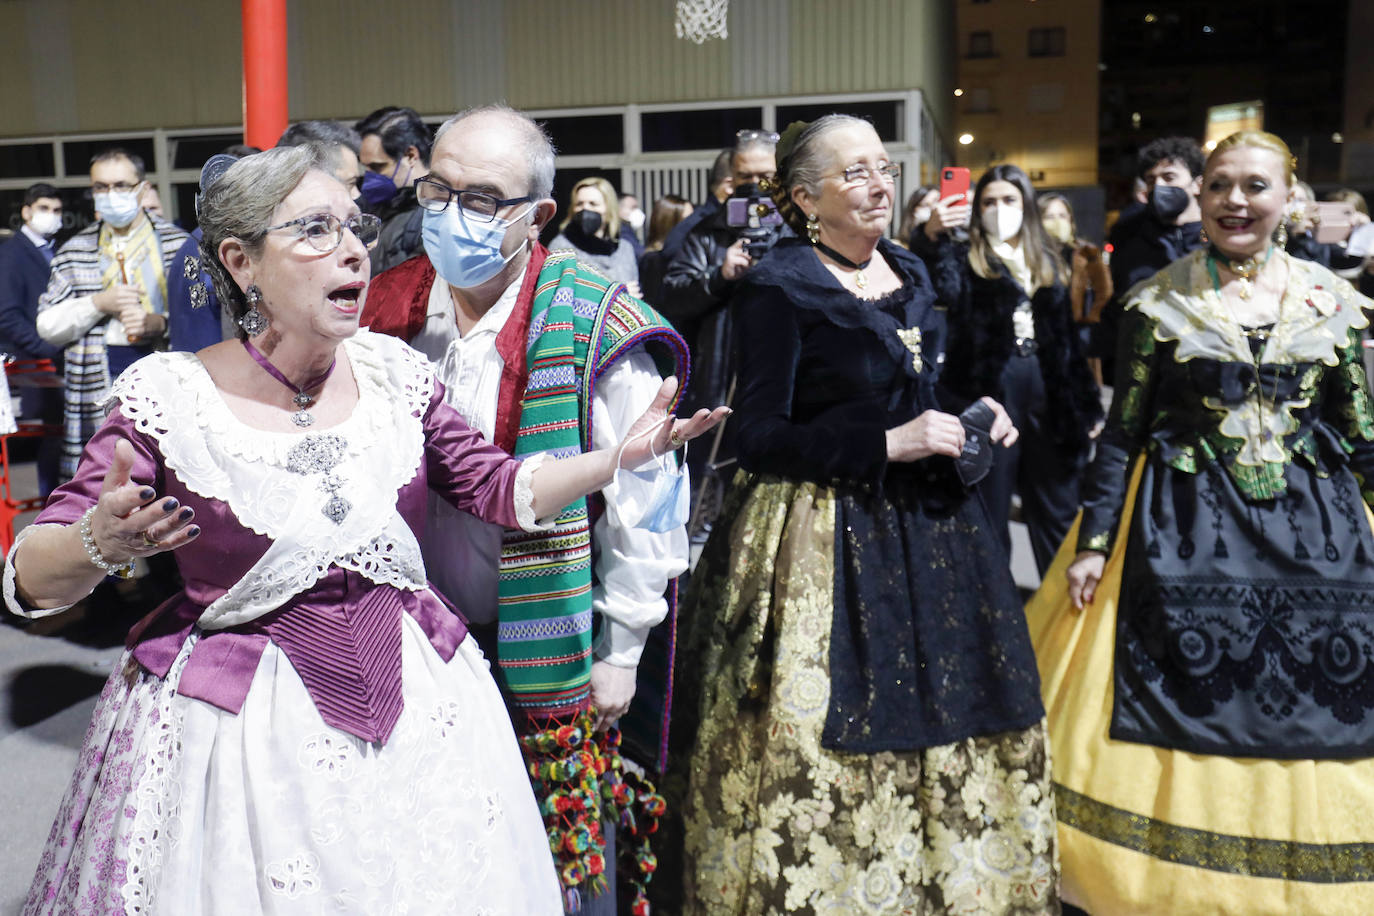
{"type": "Point", "coordinates": [1149, 830]}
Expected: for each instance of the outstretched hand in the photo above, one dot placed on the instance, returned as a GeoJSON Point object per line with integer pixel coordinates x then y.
{"type": "Point", "coordinates": [131, 521]}
{"type": "Point", "coordinates": [657, 431]}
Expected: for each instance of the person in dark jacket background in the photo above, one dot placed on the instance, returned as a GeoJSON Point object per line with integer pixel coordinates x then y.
{"type": "Point", "coordinates": [395, 151]}
{"type": "Point", "coordinates": [699, 285]}
{"type": "Point", "coordinates": [1148, 240]}
{"type": "Point", "coordinates": [1012, 337]}
{"type": "Point", "coordinates": [25, 261]}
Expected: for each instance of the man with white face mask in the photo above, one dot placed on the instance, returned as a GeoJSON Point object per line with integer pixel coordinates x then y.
{"type": "Point", "coordinates": [541, 355]}
{"type": "Point", "coordinates": [106, 301]}
{"type": "Point", "coordinates": [25, 262]}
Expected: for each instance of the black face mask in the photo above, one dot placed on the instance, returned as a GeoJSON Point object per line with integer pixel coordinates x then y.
{"type": "Point", "coordinates": [975, 460]}
{"type": "Point", "coordinates": [587, 221]}
{"type": "Point", "coordinates": [1167, 202]}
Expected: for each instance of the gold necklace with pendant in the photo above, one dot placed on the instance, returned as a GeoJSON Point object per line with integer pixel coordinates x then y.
{"type": "Point", "coordinates": [1245, 270]}
{"type": "Point", "coordinates": [860, 280]}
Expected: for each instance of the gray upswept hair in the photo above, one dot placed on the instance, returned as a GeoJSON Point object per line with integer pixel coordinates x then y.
{"type": "Point", "coordinates": [240, 204]}
{"type": "Point", "coordinates": [535, 142]}
{"type": "Point", "coordinates": [805, 164]}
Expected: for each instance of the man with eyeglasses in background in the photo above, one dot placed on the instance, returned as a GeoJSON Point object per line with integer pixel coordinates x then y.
{"type": "Point", "coordinates": [106, 301]}
{"type": "Point", "coordinates": [697, 288]}
{"type": "Point", "coordinates": [542, 355]}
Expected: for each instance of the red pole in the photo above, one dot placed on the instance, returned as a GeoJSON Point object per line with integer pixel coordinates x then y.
{"type": "Point", "coordinates": [264, 72]}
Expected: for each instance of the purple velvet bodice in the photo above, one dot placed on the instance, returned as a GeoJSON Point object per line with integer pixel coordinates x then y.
{"type": "Point", "coordinates": [343, 635]}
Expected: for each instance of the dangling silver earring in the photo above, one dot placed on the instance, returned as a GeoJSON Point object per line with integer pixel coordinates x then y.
{"type": "Point", "coordinates": [253, 322]}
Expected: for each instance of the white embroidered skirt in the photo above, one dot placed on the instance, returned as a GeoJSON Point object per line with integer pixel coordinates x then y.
{"type": "Point", "coordinates": [179, 807]}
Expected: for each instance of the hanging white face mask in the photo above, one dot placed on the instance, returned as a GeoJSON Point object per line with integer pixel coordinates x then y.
{"type": "Point", "coordinates": [1001, 222]}
{"type": "Point", "coordinates": [668, 503]}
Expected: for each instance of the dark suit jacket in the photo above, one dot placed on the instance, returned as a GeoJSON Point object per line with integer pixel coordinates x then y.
{"type": "Point", "coordinates": [23, 277]}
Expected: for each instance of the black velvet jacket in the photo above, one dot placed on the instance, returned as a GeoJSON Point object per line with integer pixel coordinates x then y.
{"type": "Point", "coordinates": [928, 642]}
{"type": "Point", "coordinates": [823, 375]}
{"type": "Point", "coordinates": [982, 340]}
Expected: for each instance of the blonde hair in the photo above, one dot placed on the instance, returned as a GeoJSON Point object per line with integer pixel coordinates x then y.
{"type": "Point", "coordinates": [1258, 139]}
{"type": "Point", "coordinates": [611, 218]}
{"type": "Point", "coordinates": [1349, 196]}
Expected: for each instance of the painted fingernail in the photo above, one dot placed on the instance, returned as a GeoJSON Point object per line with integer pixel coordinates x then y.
{"type": "Point", "coordinates": [193, 531]}
{"type": "Point", "coordinates": [186, 513]}
{"type": "Point", "coordinates": [169, 504]}
{"type": "Point", "coordinates": [147, 493]}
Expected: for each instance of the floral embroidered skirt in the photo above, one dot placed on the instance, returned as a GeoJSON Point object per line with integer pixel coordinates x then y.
{"type": "Point", "coordinates": [1149, 830]}
{"type": "Point", "coordinates": [773, 822]}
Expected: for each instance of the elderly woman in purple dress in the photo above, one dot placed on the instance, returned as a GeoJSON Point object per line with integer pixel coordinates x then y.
{"type": "Point", "coordinates": [307, 726]}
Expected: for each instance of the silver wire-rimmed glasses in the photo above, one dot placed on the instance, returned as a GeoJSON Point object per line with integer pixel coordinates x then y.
{"type": "Point", "coordinates": [862, 174]}
{"type": "Point", "coordinates": [324, 231]}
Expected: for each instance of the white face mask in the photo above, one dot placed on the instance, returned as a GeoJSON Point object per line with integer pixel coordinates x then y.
{"type": "Point", "coordinates": [46, 223]}
{"type": "Point", "coordinates": [1001, 222]}
{"type": "Point", "coordinates": [636, 219]}
{"type": "Point", "coordinates": [118, 208]}
{"type": "Point", "coordinates": [922, 216]}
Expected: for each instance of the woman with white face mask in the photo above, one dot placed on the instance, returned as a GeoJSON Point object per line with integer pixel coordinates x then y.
{"type": "Point", "coordinates": [1011, 336]}
{"type": "Point", "coordinates": [1090, 282]}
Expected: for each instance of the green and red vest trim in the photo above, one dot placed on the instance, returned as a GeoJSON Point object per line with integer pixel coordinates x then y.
{"type": "Point", "coordinates": [580, 324]}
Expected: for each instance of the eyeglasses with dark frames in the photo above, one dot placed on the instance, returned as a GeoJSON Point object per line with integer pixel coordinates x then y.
{"type": "Point", "coordinates": [119, 187]}
{"type": "Point", "coordinates": [324, 231]}
{"type": "Point", "coordinates": [435, 196]}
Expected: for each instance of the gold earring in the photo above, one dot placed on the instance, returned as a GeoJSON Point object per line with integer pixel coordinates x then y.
{"type": "Point", "coordinates": [813, 228]}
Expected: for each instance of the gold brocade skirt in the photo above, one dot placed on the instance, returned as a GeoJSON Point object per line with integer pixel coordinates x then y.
{"type": "Point", "coordinates": [1146, 830]}
{"type": "Point", "coordinates": [776, 823]}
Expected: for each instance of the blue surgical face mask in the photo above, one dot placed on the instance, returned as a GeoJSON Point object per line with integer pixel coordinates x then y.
{"type": "Point", "coordinates": [464, 251]}
{"type": "Point", "coordinates": [118, 208]}
{"type": "Point", "coordinates": [668, 503]}
{"type": "Point", "coordinates": [377, 189]}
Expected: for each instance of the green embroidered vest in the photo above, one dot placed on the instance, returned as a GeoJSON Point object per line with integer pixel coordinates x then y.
{"type": "Point", "coordinates": [580, 324]}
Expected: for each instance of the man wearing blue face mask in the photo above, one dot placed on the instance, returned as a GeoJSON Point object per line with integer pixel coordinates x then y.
{"type": "Point", "coordinates": [106, 301]}
{"type": "Point", "coordinates": [542, 355]}
{"type": "Point", "coordinates": [395, 154]}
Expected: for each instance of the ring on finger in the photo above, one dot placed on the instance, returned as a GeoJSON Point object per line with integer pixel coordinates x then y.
{"type": "Point", "coordinates": [148, 541]}
{"type": "Point", "coordinates": [675, 438]}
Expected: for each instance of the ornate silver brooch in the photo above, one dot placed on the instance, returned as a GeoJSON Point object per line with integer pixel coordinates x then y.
{"type": "Point", "coordinates": [321, 455]}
